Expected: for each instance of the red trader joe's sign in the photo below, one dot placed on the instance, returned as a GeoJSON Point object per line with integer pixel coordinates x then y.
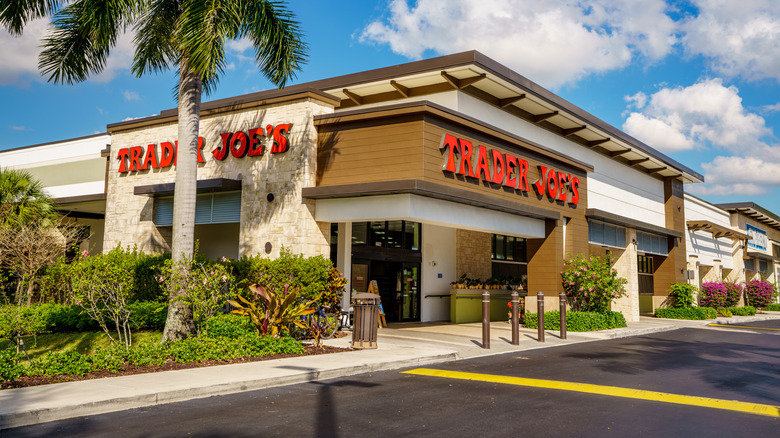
{"type": "Point", "coordinates": [494, 166]}
{"type": "Point", "coordinates": [240, 144]}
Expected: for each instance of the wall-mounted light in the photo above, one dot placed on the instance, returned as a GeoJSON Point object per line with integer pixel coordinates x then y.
{"type": "Point", "coordinates": [634, 241]}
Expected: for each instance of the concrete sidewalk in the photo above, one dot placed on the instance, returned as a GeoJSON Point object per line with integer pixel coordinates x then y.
{"type": "Point", "coordinates": [400, 346]}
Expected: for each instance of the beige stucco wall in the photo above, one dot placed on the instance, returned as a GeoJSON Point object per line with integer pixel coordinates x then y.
{"type": "Point", "coordinates": [287, 220]}
{"type": "Point", "coordinates": [625, 263]}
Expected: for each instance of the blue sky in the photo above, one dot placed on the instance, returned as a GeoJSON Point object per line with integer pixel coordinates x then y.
{"type": "Point", "coordinates": [698, 80]}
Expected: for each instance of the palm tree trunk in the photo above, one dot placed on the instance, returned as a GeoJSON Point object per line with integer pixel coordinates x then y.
{"type": "Point", "coordinates": [179, 323]}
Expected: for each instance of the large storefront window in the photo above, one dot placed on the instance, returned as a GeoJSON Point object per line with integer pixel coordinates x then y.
{"type": "Point", "coordinates": [387, 234]}
{"type": "Point", "coordinates": [600, 233]}
{"type": "Point", "coordinates": [510, 257]}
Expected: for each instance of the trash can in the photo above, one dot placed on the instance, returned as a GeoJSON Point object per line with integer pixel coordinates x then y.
{"type": "Point", "coordinates": [366, 320]}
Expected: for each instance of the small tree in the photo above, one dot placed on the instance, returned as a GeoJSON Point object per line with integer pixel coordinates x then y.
{"type": "Point", "coordinates": [592, 283]}
{"type": "Point", "coordinates": [207, 287]}
{"type": "Point", "coordinates": [27, 248]}
{"type": "Point", "coordinates": [102, 285]}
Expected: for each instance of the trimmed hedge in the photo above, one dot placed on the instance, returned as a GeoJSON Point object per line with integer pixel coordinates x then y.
{"type": "Point", "coordinates": [775, 307]}
{"type": "Point", "coordinates": [577, 321]}
{"type": "Point", "coordinates": [116, 357]}
{"type": "Point", "coordinates": [59, 318]}
{"type": "Point", "coordinates": [742, 311]}
{"type": "Point", "coordinates": [693, 313]}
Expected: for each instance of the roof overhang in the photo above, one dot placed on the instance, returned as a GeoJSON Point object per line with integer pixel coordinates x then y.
{"type": "Point", "coordinates": [753, 211]}
{"type": "Point", "coordinates": [716, 230]}
{"type": "Point", "coordinates": [481, 77]}
{"type": "Point", "coordinates": [204, 186]}
{"type": "Point", "coordinates": [430, 190]}
{"type": "Point", "coordinates": [603, 216]}
{"type": "Point", "coordinates": [761, 255]}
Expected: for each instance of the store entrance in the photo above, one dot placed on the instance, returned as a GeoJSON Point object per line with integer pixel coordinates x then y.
{"type": "Point", "coordinates": [398, 284]}
{"type": "Point", "coordinates": [399, 287]}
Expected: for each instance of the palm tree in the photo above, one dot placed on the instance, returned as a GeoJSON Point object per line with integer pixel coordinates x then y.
{"type": "Point", "coordinates": [22, 199]}
{"type": "Point", "coordinates": [188, 34]}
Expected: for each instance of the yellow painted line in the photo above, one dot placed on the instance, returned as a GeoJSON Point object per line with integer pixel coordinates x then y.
{"type": "Point", "coordinates": [613, 391]}
{"type": "Point", "coordinates": [744, 326]}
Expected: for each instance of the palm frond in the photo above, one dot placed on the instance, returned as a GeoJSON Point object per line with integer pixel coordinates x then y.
{"type": "Point", "coordinates": [14, 14]}
{"type": "Point", "coordinates": [155, 47]}
{"type": "Point", "coordinates": [83, 34]}
{"type": "Point", "coordinates": [276, 37]}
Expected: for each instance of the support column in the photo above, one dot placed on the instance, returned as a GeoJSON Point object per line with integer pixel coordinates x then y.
{"type": "Point", "coordinates": [344, 258]}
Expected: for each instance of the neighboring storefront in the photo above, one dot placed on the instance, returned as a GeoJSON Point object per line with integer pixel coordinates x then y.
{"type": "Point", "coordinates": [413, 176]}
{"type": "Point", "coordinates": [74, 174]}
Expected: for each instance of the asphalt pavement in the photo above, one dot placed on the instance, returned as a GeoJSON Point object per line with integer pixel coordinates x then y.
{"type": "Point", "coordinates": [400, 346]}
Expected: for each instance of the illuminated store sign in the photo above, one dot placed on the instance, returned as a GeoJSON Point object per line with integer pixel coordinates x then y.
{"type": "Point", "coordinates": [758, 239]}
{"type": "Point", "coordinates": [239, 143]}
{"type": "Point", "coordinates": [461, 158]}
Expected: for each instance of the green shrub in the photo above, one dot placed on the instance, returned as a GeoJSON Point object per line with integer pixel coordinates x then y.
{"type": "Point", "coordinates": [148, 315]}
{"type": "Point", "coordinates": [592, 283]}
{"type": "Point", "coordinates": [775, 307]}
{"type": "Point", "coordinates": [59, 318]}
{"type": "Point", "coordinates": [10, 366]}
{"type": "Point", "coordinates": [693, 313]}
{"type": "Point", "coordinates": [56, 280]}
{"type": "Point", "coordinates": [20, 320]}
{"type": "Point", "coordinates": [577, 321]}
{"type": "Point", "coordinates": [681, 294]}
{"type": "Point", "coordinates": [312, 275]}
{"type": "Point", "coordinates": [116, 357]}
{"type": "Point", "coordinates": [725, 312]}
{"type": "Point", "coordinates": [229, 325]}
{"type": "Point", "coordinates": [742, 311]}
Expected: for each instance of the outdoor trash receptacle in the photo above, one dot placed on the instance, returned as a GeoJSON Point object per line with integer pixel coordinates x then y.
{"type": "Point", "coordinates": [366, 320]}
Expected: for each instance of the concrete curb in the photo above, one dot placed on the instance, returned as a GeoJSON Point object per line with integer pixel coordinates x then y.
{"type": "Point", "coordinates": [73, 407]}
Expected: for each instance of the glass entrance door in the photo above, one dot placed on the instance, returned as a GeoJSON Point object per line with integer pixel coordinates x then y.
{"type": "Point", "coordinates": [410, 292]}
{"type": "Point", "coordinates": [399, 288]}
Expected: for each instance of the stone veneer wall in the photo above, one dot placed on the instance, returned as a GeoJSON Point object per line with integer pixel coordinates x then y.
{"type": "Point", "coordinates": [288, 220]}
{"type": "Point", "coordinates": [473, 254]}
{"type": "Point", "coordinates": [625, 263]}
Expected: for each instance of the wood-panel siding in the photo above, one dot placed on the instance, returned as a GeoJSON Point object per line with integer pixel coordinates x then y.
{"type": "Point", "coordinates": [358, 153]}
{"type": "Point", "coordinates": [407, 147]}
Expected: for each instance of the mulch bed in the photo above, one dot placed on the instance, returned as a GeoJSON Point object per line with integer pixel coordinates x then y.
{"type": "Point", "coordinates": [130, 369]}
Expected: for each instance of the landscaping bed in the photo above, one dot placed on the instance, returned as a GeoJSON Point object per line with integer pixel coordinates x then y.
{"type": "Point", "coordinates": [127, 369]}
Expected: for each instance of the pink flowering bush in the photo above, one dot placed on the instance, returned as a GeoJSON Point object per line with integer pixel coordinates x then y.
{"type": "Point", "coordinates": [592, 283]}
{"type": "Point", "coordinates": [716, 294]}
{"type": "Point", "coordinates": [758, 293]}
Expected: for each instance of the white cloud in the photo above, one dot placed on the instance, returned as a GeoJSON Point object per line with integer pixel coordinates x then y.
{"type": "Point", "coordinates": [749, 170]}
{"type": "Point", "coordinates": [739, 37]}
{"type": "Point", "coordinates": [18, 128]}
{"type": "Point", "coordinates": [665, 135]}
{"type": "Point", "coordinates": [705, 113]}
{"type": "Point", "coordinates": [553, 42]}
{"type": "Point", "coordinates": [638, 100]}
{"type": "Point", "coordinates": [745, 190]}
{"type": "Point", "coordinates": [20, 54]}
{"type": "Point", "coordinates": [771, 108]}
{"type": "Point", "coordinates": [131, 95]}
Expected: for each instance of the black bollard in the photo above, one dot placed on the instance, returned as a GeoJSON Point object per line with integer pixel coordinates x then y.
{"type": "Point", "coordinates": [515, 318]}
{"type": "Point", "coordinates": [562, 298]}
{"type": "Point", "coordinates": [540, 314]}
{"type": "Point", "coordinates": [485, 319]}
